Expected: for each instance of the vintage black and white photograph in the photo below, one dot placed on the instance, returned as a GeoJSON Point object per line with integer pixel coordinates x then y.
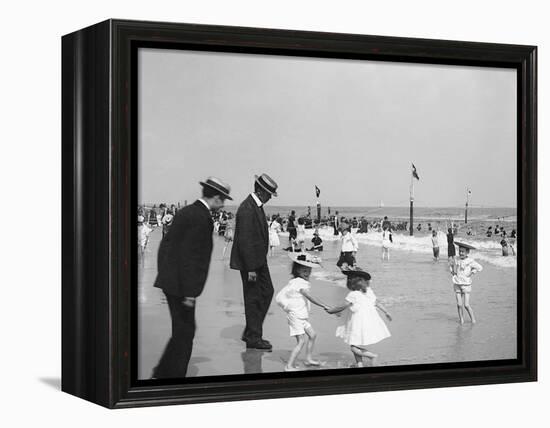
{"type": "Point", "coordinates": [301, 213]}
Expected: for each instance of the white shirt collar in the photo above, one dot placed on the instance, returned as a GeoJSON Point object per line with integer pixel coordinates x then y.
{"type": "Point", "coordinates": [256, 199]}
{"type": "Point", "coordinates": [205, 203]}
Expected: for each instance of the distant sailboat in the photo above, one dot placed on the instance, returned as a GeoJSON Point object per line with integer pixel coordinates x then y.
{"type": "Point", "coordinates": [381, 205]}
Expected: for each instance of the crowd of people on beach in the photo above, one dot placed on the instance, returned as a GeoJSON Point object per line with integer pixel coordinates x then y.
{"type": "Point", "coordinates": [251, 231]}
{"type": "Point", "coordinates": [296, 225]}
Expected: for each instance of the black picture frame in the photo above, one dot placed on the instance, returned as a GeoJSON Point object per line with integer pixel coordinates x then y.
{"type": "Point", "coordinates": [98, 193]}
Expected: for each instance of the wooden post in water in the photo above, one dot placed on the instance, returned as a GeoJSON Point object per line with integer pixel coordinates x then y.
{"type": "Point", "coordinates": [411, 219]}
{"type": "Point", "coordinates": [318, 211]}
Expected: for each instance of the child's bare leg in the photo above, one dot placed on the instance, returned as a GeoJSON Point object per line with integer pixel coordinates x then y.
{"type": "Point", "coordinates": [468, 307]}
{"type": "Point", "coordinates": [358, 359]}
{"type": "Point", "coordinates": [459, 307]}
{"type": "Point", "coordinates": [300, 340]}
{"type": "Point", "coordinates": [363, 352]}
{"type": "Point", "coordinates": [224, 250]}
{"type": "Point", "coordinates": [312, 335]}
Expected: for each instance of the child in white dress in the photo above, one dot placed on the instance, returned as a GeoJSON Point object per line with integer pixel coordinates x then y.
{"type": "Point", "coordinates": [294, 298]}
{"type": "Point", "coordinates": [274, 229]}
{"type": "Point", "coordinates": [227, 237]}
{"type": "Point", "coordinates": [143, 238]}
{"type": "Point", "coordinates": [387, 241]}
{"type": "Point", "coordinates": [300, 234]}
{"type": "Point", "coordinates": [364, 326]}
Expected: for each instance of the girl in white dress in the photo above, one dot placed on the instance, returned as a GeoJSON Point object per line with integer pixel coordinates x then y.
{"type": "Point", "coordinates": [227, 236]}
{"type": "Point", "coordinates": [300, 234]}
{"type": "Point", "coordinates": [386, 242]}
{"type": "Point", "coordinates": [274, 229]}
{"type": "Point", "coordinates": [143, 238]}
{"type": "Point", "coordinates": [294, 298]}
{"type": "Point", "coordinates": [364, 325]}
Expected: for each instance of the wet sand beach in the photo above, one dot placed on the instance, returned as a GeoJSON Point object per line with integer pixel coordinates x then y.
{"type": "Point", "coordinates": [417, 291]}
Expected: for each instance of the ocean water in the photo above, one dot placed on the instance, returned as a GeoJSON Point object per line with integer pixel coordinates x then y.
{"type": "Point", "coordinates": [479, 219]}
{"type": "Point", "coordinates": [487, 249]}
{"type": "Point", "coordinates": [417, 291]}
{"type": "Point", "coordinates": [440, 218]}
{"type": "Point", "coordinates": [442, 214]}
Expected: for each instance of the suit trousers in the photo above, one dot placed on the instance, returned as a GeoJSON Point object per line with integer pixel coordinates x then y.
{"type": "Point", "coordinates": [175, 358]}
{"type": "Point", "coordinates": [257, 298]}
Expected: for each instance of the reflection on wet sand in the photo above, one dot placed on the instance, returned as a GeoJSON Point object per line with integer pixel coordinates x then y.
{"type": "Point", "coordinates": [252, 361]}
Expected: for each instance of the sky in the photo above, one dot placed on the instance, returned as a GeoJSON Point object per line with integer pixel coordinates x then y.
{"type": "Point", "coordinates": [351, 127]}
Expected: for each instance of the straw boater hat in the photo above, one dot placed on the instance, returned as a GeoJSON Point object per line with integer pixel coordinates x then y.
{"type": "Point", "coordinates": [464, 245]}
{"type": "Point", "coordinates": [305, 259]}
{"type": "Point", "coordinates": [267, 183]}
{"type": "Point", "coordinates": [218, 185]}
{"type": "Point", "coordinates": [357, 271]}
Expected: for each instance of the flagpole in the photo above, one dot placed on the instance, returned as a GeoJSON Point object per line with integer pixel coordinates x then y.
{"type": "Point", "coordinates": [318, 211]}
{"type": "Point", "coordinates": [466, 210]}
{"type": "Point", "coordinates": [411, 196]}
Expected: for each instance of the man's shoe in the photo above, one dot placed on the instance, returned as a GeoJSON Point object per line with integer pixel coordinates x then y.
{"type": "Point", "coordinates": [267, 342]}
{"type": "Point", "coordinates": [261, 345]}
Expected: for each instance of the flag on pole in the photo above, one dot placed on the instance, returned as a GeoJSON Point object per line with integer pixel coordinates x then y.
{"type": "Point", "coordinates": [415, 174]}
{"type": "Point", "coordinates": [317, 191]}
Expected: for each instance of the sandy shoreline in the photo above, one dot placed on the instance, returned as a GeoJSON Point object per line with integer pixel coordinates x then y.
{"type": "Point", "coordinates": [417, 292]}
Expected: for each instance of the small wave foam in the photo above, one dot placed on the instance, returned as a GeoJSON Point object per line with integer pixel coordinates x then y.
{"type": "Point", "coordinates": [488, 250]}
{"type": "Point", "coordinates": [498, 260]}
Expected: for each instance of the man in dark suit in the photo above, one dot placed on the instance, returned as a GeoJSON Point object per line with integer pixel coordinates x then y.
{"type": "Point", "coordinates": [183, 262]}
{"type": "Point", "coordinates": [249, 256]}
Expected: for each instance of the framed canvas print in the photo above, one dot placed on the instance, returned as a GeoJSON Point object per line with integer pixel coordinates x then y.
{"type": "Point", "coordinates": [255, 213]}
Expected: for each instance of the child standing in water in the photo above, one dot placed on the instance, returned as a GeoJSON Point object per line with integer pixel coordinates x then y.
{"type": "Point", "coordinates": [387, 240]}
{"type": "Point", "coordinates": [143, 238]}
{"type": "Point", "coordinates": [294, 298]}
{"type": "Point", "coordinates": [451, 252]}
{"type": "Point", "coordinates": [348, 250]}
{"type": "Point", "coordinates": [274, 230]}
{"type": "Point", "coordinates": [435, 245]}
{"type": "Point", "coordinates": [504, 244]}
{"type": "Point", "coordinates": [227, 237]}
{"type": "Point", "coordinates": [462, 271]}
{"type": "Point", "coordinates": [301, 234]}
{"type": "Point", "coordinates": [364, 326]}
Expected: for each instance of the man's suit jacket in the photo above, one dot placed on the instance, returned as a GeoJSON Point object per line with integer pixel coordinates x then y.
{"type": "Point", "coordinates": [251, 239]}
{"type": "Point", "coordinates": [184, 253]}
